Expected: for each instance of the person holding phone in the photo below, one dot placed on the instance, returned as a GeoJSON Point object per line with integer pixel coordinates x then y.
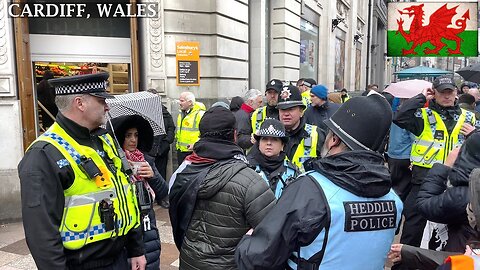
{"type": "Point", "coordinates": [135, 135]}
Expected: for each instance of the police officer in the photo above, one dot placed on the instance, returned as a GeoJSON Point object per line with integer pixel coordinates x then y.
{"type": "Point", "coordinates": [269, 161]}
{"type": "Point", "coordinates": [305, 86]}
{"type": "Point", "coordinates": [327, 218]}
{"type": "Point", "coordinates": [79, 208]}
{"type": "Point", "coordinates": [187, 125]}
{"type": "Point", "coordinates": [272, 90]}
{"type": "Point", "coordinates": [305, 140]}
{"type": "Point", "coordinates": [439, 128]}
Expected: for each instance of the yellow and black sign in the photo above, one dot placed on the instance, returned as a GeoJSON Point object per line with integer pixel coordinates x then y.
{"type": "Point", "coordinates": [188, 63]}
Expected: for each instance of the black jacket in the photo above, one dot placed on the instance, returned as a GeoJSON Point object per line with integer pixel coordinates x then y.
{"type": "Point", "coordinates": [297, 135]}
{"type": "Point", "coordinates": [157, 183]}
{"type": "Point", "coordinates": [161, 143]}
{"type": "Point", "coordinates": [231, 199]}
{"type": "Point", "coordinates": [315, 115]}
{"type": "Point", "coordinates": [244, 128]}
{"type": "Point", "coordinates": [301, 212]}
{"type": "Point", "coordinates": [446, 203]}
{"type": "Point", "coordinates": [42, 185]}
{"type": "Point", "coordinates": [273, 168]}
{"type": "Point", "coordinates": [419, 258]}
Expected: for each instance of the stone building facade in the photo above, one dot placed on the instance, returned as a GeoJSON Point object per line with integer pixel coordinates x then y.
{"type": "Point", "coordinates": [243, 44]}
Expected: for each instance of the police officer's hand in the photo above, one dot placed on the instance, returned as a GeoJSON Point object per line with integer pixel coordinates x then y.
{"type": "Point", "coordinates": [429, 93]}
{"type": "Point", "coordinates": [139, 263]}
{"type": "Point", "coordinates": [467, 128]}
{"type": "Point", "coordinates": [190, 147]}
{"type": "Point", "coordinates": [395, 253]}
{"type": "Point", "coordinates": [145, 170]}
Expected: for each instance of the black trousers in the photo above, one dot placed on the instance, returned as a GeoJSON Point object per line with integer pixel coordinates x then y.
{"type": "Point", "coordinates": [414, 222]}
{"type": "Point", "coordinates": [181, 156]}
{"type": "Point", "coordinates": [161, 164]}
{"type": "Point", "coordinates": [401, 176]}
{"type": "Point", "coordinates": [119, 263]}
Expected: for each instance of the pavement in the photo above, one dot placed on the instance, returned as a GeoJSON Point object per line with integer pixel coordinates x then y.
{"type": "Point", "coordinates": [14, 253]}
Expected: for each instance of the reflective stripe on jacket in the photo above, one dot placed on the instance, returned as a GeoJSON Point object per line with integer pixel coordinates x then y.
{"type": "Point", "coordinates": [435, 143]}
{"type": "Point", "coordinates": [81, 222]}
{"type": "Point", "coordinates": [359, 232]}
{"type": "Point", "coordinates": [187, 128]}
{"type": "Point", "coordinates": [307, 148]}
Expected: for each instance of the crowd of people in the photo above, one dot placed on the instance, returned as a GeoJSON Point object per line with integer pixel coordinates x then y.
{"type": "Point", "coordinates": [309, 180]}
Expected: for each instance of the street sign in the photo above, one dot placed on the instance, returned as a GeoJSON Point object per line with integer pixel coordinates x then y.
{"type": "Point", "coordinates": [188, 63]}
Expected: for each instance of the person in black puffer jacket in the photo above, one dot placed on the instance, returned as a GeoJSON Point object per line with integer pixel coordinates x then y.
{"type": "Point", "coordinates": [135, 135]}
{"type": "Point", "coordinates": [210, 217]}
{"type": "Point", "coordinates": [443, 196]}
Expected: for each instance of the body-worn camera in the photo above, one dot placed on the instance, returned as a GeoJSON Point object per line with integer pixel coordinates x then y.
{"type": "Point", "coordinates": [144, 198]}
{"type": "Point", "coordinates": [89, 167]}
{"type": "Point", "coordinates": [107, 214]}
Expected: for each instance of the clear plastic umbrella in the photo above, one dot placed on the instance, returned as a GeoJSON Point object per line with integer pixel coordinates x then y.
{"type": "Point", "coordinates": [145, 104]}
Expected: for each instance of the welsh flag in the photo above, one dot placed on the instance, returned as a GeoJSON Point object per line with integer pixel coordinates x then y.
{"type": "Point", "coordinates": [432, 29]}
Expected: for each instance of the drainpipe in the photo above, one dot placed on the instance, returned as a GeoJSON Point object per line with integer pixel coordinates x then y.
{"type": "Point", "coordinates": [368, 43]}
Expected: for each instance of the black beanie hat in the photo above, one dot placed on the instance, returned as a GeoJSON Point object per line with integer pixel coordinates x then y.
{"type": "Point", "coordinates": [217, 120]}
{"type": "Point", "coordinates": [362, 122]}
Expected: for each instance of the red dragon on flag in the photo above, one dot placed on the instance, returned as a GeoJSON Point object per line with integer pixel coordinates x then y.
{"type": "Point", "coordinates": [439, 28]}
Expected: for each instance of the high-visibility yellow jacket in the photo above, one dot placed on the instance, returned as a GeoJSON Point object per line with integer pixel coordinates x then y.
{"type": "Point", "coordinates": [81, 222]}
{"type": "Point", "coordinates": [187, 127]}
{"type": "Point", "coordinates": [307, 148]}
{"type": "Point", "coordinates": [435, 143]}
{"type": "Point", "coordinates": [344, 100]}
{"type": "Point", "coordinates": [306, 98]}
{"type": "Point", "coordinates": [258, 116]}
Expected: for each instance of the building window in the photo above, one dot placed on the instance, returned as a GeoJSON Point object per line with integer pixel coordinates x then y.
{"type": "Point", "coordinates": [308, 50]}
{"type": "Point", "coordinates": [339, 63]}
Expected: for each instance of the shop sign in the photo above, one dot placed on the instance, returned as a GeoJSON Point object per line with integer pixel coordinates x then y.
{"type": "Point", "coordinates": [188, 63]}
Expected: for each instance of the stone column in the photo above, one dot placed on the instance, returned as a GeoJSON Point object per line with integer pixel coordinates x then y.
{"type": "Point", "coordinates": [285, 40]}
{"type": "Point", "coordinates": [11, 144]}
{"type": "Point", "coordinates": [257, 45]}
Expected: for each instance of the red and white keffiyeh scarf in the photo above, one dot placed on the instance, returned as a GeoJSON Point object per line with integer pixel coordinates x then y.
{"type": "Point", "coordinates": [137, 156]}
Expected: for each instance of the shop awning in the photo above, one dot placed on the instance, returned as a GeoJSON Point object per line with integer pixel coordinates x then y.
{"type": "Point", "coordinates": [420, 72]}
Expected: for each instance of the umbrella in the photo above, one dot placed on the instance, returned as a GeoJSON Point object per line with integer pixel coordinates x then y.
{"type": "Point", "coordinates": [470, 73]}
{"type": "Point", "coordinates": [145, 104]}
{"type": "Point", "coordinates": [407, 89]}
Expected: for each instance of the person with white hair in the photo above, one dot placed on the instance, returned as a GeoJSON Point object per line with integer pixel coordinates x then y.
{"type": "Point", "coordinates": [253, 100]}
{"type": "Point", "coordinates": [187, 124]}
